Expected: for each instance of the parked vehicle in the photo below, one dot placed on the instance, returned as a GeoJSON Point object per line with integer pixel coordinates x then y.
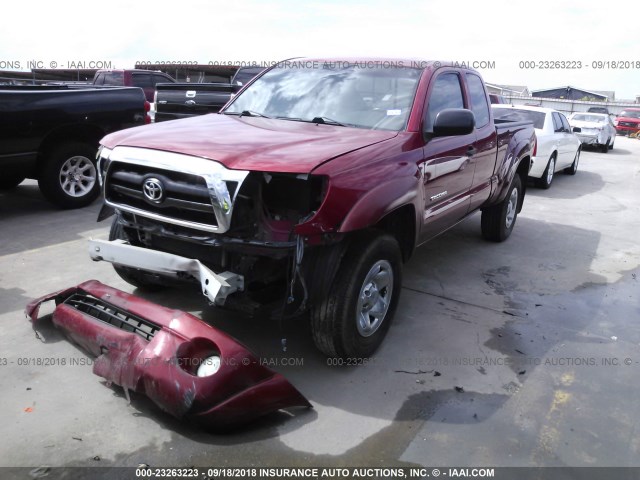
{"type": "Point", "coordinates": [596, 129]}
{"type": "Point", "coordinates": [182, 100]}
{"type": "Point", "coordinates": [51, 134]}
{"type": "Point", "coordinates": [604, 110]}
{"type": "Point", "coordinates": [558, 147]}
{"type": "Point", "coordinates": [311, 189]}
{"type": "Point", "coordinates": [144, 79]}
{"type": "Point", "coordinates": [628, 121]}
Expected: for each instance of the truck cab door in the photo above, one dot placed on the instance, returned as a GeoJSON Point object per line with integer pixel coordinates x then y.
{"type": "Point", "coordinates": [483, 161]}
{"type": "Point", "coordinates": [446, 171]}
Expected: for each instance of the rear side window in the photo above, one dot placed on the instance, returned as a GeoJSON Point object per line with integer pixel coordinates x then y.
{"type": "Point", "coordinates": [141, 80]}
{"type": "Point", "coordinates": [114, 78]}
{"type": "Point", "coordinates": [160, 79]}
{"type": "Point", "coordinates": [479, 105]}
{"type": "Point", "coordinates": [446, 93]}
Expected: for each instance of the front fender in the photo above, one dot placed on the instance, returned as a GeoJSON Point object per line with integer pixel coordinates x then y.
{"type": "Point", "coordinates": [379, 201]}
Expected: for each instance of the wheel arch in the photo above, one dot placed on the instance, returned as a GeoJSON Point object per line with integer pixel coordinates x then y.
{"type": "Point", "coordinates": [89, 134]}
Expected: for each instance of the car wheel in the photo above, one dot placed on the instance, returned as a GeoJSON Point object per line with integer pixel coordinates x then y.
{"type": "Point", "coordinates": [69, 176]}
{"type": "Point", "coordinates": [605, 148]}
{"type": "Point", "coordinates": [9, 181]}
{"type": "Point", "coordinates": [574, 166]}
{"type": "Point", "coordinates": [497, 222]}
{"type": "Point", "coordinates": [137, 278]}
{"type": "Point", "coordinates": [612, 142]}
{"type": "Point", "coordinates": [354, 318]}
{"type": "Point", "coordinates": [547, 177]}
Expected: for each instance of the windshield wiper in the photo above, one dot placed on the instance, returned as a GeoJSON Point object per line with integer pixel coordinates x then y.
{"type": "Point", "coordinates": [247, 113]}
{"type": "Point", "coordinates": [327, 121]}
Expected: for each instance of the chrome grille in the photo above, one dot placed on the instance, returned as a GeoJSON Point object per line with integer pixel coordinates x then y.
{"type": "Point", "coordinates": [185, 196]}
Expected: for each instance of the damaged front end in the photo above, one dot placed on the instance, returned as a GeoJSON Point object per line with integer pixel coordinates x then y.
{"type": "Point", "coordinates": [234, 232]}
{"type": "Point", "coordinates": [185, 366]}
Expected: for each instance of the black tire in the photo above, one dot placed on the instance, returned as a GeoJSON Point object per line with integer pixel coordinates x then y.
{"type": "Point", "coordinates": [605, 148]}
{"type": "Point", "coordinates": [9, 181]}
{"type": "Point", "coordinates": [545, 181]}
{"type": "Point", "coordinates": [68, 177]}
{"type": "Point", "coordinates": [137, 278]}
{"type": "Point", "coordinates": [572, 170]}
{"type": "Point", "coordinates": [494, 223]}
{"type": "Point", "coordinates": [611, 146]}
{"type": "Point", "coordinates": [335, 322]}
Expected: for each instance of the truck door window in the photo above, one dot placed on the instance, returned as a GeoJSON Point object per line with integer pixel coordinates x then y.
{"type": "Point", "coordinates": [141, 80]}
{"type": "Point", "coordinates": [99, 79]}
{"type": "Point", "coordinates": [114, 78]}
{"type": "Point", "coordinates": [446, 93]}
{"type": "Point", "coordinates": [478, 96]}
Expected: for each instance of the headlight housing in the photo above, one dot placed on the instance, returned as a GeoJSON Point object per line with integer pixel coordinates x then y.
{"type": "Point", "coordinates": [103, 162]}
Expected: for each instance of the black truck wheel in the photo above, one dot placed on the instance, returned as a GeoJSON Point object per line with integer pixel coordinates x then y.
{"type": "Point", "coordinates": [69, 177]}
{"type": "Point", "coordinates": [137, 278]}
{"type": "Point", "coordinates": [497, 222]}
{"type": "Point", "coordinates": [9, 181]}
{"type": "Point", "coordinates": [354, 318]}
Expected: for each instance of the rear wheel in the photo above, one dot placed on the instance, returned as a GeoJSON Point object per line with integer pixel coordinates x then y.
{"type": "Point", "coordinates": [137, 278]}
{"type": "Point", "coordinates": [605, 148]}
{"type": "Point", "coordinates": [69, 177]}
{"type": "Point", "coordinates": [574, 166]}
{"type": "Point", "coordinates": [547, 176]}
{"type": "Point", "coordinates": [497, 222]}
{"type": "Point", "coordinates": [354, 318]}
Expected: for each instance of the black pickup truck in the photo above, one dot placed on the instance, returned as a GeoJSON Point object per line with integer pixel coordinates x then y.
{"type": "Point", "coordinates": [51, 134]}
{"type": "Point", "coordinates": [180, 100]}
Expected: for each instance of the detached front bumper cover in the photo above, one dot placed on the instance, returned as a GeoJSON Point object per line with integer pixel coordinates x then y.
{"type": "Point", "coordinates": [185, 366]}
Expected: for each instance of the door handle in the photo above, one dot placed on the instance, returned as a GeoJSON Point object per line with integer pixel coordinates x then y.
{"type": "Point", "coordinates": [471, 151]}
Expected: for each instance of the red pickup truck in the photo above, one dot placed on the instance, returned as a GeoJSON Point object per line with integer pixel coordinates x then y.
{"type": "Point", "coordinates": [311, 188]}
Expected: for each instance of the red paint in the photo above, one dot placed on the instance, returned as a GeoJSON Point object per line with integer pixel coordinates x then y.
{"type": "Point", "coordinates": [163, 368]}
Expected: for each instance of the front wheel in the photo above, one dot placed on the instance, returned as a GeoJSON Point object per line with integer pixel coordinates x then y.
{"type": "Point", "coordinates": [354, 318]}
{"type": "Point", "coordinates": [69, 176]}
{"type": "Point", "coordinates": [497, 222]}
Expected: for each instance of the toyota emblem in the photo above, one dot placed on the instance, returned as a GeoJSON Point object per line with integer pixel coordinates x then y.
{"type": "Point", "coordinates": [152, 189]}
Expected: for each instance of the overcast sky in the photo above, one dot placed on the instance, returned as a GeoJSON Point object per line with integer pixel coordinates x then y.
{"type": "Point", "coordinates": [505, 33]}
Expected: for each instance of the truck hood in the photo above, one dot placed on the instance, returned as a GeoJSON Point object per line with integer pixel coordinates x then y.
{"type": "Point", "coordinates": [250, 143]}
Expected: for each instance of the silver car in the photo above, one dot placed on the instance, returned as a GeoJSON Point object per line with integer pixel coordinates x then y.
{"type": "Point", "coordinates": [596, 129]}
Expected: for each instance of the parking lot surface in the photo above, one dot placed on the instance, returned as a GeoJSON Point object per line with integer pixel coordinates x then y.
{"type": "Point", "coordinates": [514, 354]}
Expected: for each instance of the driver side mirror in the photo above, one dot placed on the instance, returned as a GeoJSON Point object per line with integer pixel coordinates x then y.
{"type": "Point", "coordinates": [577, 129]}
{"type": "Point", "coordinates": [454, 121]}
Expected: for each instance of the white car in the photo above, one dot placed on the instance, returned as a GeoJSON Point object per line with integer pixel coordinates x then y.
{"type": "Point", "coordinates": [558, 147]}
{"type": "Point", "coordinates": [596, 129]}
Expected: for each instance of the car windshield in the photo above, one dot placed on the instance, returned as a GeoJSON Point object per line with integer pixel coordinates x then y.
{"type": "Point", "coordinates": [589, 118]}
{"type": "Point", "coordinates": [517, 115]}
{"type": "Point", "coordinates": [630, 114]}
{"type": "Point", "coordinates": [336, 93]}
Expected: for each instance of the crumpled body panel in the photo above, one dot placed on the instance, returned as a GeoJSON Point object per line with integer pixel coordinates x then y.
{"type": "Point", "coordinates": [157, 351]}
